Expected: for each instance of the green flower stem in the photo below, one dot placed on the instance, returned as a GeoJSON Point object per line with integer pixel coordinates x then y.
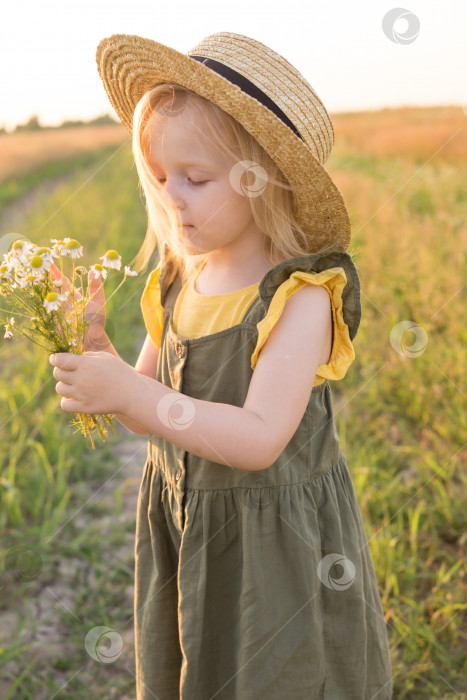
{"type": "Point", "coordinates": [84, 305]}
{"type": "Point", "coordinates": [109, 418]}
{"type": "Point", "coordinates": [110, 297]}
{"type": "Point", "coordinates": [15, 312]}
{"type": "Point", "coordinates": [73, 279]}
{"type": "Point", "coordinates": [34, 341]}
{"type": "Point", "coordinates": [20, 300]}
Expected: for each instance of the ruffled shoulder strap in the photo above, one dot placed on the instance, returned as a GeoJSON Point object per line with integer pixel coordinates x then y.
{"type": "Point", "coordinates": [170, 281]}
{"type": "Point", "coordinates": [317, 262]}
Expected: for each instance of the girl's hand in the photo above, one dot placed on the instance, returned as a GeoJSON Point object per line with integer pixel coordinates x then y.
{"type": "Point", "coordinates": [95, 337]}
{"type": "Point", "coordinates": [95, 382]}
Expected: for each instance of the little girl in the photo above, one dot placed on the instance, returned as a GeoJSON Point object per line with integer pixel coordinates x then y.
{"type": "Point", "coordinates": [253, 577]}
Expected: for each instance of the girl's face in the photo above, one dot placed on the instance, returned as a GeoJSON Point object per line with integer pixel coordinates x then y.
{"type": "Point", "coordinates": [195, 177]}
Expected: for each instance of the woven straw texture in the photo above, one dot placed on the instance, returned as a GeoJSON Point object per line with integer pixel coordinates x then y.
{"type": "Point", "coordinates": [130, 65]}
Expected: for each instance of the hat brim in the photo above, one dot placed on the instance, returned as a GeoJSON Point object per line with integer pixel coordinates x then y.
{"type": "Point", "coordinates": [130, 65]}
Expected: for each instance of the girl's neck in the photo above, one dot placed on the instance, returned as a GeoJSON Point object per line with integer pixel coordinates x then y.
{"type": "Point", "coordinates": [221, 279]}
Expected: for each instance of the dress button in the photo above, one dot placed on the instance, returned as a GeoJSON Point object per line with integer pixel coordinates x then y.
{"type": "Point", "coordinates": [180, 350]}
{"type": "Point", "coordinates": [178, 474]}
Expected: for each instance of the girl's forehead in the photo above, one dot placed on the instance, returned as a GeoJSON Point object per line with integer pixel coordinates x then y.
{"type": "Point", "coordinates": [173, 136]}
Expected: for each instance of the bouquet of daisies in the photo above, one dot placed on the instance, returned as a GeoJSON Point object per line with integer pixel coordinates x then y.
{"type": "Point", "coordinates": [49, 309]}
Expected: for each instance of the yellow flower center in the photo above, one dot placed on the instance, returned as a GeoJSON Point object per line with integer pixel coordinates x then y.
{"type": "Point", "coordinates": [98, 267]}
{"type": "Point", "coordinates": [18, 245]}
{"type": "Point", "coordinates": [112, 255]}
{"type": "Point", "coordinates": [51, 296]}
{"type": "Point", "coordinates": [72, 244]}
{"type": "Point", "coordinates": [43, 251]}
{"type": "Point", "coordinates": [36, 261]}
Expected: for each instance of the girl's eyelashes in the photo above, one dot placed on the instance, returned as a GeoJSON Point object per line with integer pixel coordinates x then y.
{"type": "Point", "coordinates": [193, 182]}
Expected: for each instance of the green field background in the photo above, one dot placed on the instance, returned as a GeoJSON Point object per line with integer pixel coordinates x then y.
{"type": "Point", "coordinates": [401, 422]}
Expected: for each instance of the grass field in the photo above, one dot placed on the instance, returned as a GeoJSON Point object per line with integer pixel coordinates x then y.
{"type": "Point", "coordinates": [26, 151]}
{"type": "Point", "coordinates": [67, 536]}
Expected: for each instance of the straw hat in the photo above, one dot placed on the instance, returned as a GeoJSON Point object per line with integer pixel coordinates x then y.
{"type": "Point", "coordinates": [263, 92]}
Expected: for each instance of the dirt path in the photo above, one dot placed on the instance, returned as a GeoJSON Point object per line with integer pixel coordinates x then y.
{"type": "Point", "coordinates": [44, 628]}
{"type": "Point", "coordinates": [13, 215]}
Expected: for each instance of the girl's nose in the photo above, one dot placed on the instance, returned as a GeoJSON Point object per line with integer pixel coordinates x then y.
{"type": "Point", "coordinates": [173, 192]}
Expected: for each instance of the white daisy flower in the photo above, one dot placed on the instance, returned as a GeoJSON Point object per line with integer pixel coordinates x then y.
{"type": "Point", "coordinates": [19, 251]}
{"type": "Point", "coordinates": [38, 264]}
{"type": "Point", "coordinates": [99, 271]}
{"type": "Point", "coordinates": [58, 246]}
{"type": "Point", "coordinates": [69, 292]}
{"type": "Point", "coordinates": [10, 260]}
{"type": "Point", "coordinates": [129, 273]}
{"type": "Point", "coordinates": [5, 272]}
{"type": "Point", "coordinates": [111, 259]}
{"type": "Point", "coordinates": [27, 280]}
{"type": "Point", "coordinates": [72, 342]}
{"type": "Point", "coordinates": [21, 247]}
{"type": "Point", "coordinates": [44, 252]}
{"type": "Point", "coordinates": [53, 300]}
{"type": "Point", "coordinates": [8, 326]}
{"type": "Point", "coordinates": [58, 283]}
{"type": "Point", "coordinates": [73, 248]}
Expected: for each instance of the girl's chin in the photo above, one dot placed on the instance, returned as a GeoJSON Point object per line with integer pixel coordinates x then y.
{"type": "Point", "coordinates": [192, 247]}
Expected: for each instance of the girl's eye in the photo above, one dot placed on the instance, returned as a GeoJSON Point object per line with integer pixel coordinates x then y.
{"type": "Point", "coordinates": [199, 182]}
{"type": "Point", "coordinates": [193, 182]}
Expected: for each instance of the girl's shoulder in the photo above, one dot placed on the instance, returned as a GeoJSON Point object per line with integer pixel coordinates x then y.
{"type": "Point", "coordinates": [336, 272]}
{"type": "Point", "coordinates": [317, 268]}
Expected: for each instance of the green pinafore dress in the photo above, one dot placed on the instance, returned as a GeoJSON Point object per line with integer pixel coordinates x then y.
{"type": "Point", "coordinates": [254, 585]}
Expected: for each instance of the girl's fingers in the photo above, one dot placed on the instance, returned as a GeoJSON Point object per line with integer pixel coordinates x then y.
{"type": "Point", "coordinates": [56, 274]}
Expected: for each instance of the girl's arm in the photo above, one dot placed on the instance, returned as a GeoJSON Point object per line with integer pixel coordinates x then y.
{"type": "Point", "coordinates": [147, 365]}
{"type": "Point", "coordinates": [249, 437]}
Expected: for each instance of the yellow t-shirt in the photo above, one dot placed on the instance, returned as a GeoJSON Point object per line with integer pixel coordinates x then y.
{"type": "Point", "coordinates": [198, 314]}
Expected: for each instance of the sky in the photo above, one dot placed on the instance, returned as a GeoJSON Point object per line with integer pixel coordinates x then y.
{"type": "Point", "coordinates": [359, 55]}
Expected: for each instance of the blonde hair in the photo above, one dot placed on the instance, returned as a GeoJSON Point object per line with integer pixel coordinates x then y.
{"type": "Point", "coordinates": [272, 210]}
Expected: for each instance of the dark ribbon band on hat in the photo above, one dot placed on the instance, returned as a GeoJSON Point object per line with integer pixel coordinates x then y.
{"type": "Point", "coordinates": [247, 87]}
